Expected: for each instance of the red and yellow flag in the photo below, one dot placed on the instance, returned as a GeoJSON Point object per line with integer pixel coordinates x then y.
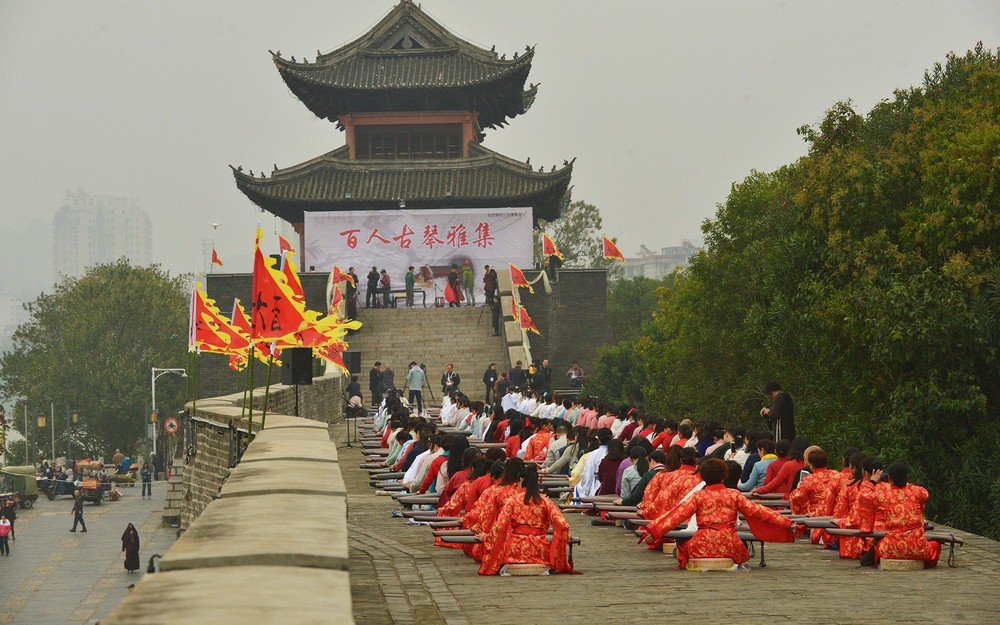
{"type": "Point", "coordinates": [611, 250]}
{"type": "Point", "coordinates": [215, 258]}
{"type": "Point", "coordinates": [340, 276]}
{"type": "Point", "coordinates": [517, 278]}
{"type": "Point", "coordinates": [284, 245]}
{"type": "Point", "coordinates": [274, 311]}
{"type": "Point", "coordinates": [526, 322]}
{"type": "Point", "coordinates": [210, 330]}
{"type": "Point", "coordinates": [549, 247]}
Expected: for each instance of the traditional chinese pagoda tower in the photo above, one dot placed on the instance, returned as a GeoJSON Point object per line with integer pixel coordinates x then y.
{"type": "Point", "coordinates": [413, 100]}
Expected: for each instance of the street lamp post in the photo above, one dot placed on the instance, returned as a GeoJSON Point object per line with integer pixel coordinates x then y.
{"type": "Point", "coordinates": [75, 414]}
{"type": "Point", "coordinates": [154, 374]}
{"type": "Point", "coordinates": [40, 422]}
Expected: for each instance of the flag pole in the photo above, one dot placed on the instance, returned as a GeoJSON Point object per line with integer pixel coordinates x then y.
{"type": "Point", "coordinates": [267, 387]}
{"type": "Point", "coordinates": [248, 405]}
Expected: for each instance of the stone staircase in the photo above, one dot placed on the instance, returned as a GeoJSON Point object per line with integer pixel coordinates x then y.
{"type": "Point", "coordinates": [434, 337]}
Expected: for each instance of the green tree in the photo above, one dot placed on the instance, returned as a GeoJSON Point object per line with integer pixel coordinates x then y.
{"type": "Point", "coordinates": [865, 277]}
{"type": "Point", "coordinates": [90, 345]}
{"type": "Point", "coordinates": [577, 233]}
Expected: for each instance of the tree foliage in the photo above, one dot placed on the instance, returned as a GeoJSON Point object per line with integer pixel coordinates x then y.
{"type": "Point", "coordinates": [577, 233]}
{"type": "Point", "coordinates": [865, 278]}
{"type": "Point", "coordinates": [90, 345]}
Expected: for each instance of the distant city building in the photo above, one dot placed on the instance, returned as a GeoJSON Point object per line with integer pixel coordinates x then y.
{"type": "Point", "coordinates": [655, 266]}
{"type": "Point", "coordinates": [97, 229]}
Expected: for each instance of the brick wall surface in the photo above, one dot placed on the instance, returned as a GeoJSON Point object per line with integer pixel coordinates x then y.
{"type": "Point", "coordinates": [573, 319]}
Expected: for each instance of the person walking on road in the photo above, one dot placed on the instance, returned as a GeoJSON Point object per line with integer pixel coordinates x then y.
{"type": "Point", "coordinates": [130, 547]}
{"type": "Point", "coordinates": [147, 481]}
{"type": "Point", "coordinates": [78, 511]}
{"type": "Point", "coordinates": [5, 528]}
{"type": "Point", "coordinates": [9, 510]}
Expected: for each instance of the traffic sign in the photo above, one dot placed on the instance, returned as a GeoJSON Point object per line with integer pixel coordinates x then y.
{"type": "Point", "coordinates": [170, 425]}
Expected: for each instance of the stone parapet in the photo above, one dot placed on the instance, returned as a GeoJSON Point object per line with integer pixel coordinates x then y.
{"type": "Point", "coordinates": [266, 540]}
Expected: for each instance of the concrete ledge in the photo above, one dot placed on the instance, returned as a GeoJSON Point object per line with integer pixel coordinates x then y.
{"type": "Point", "coordinates": [243, 531]}
{"type": "Point", "coordinates": [238, 595]}
{"type": "Point", "coordinates": [320, 434]}
{"type": "Point", "coordinates": [284, 476]}
{"type": "Point", "coordinates": [277, 421]}
{"type": "Point", "coordinates": [262, 449]}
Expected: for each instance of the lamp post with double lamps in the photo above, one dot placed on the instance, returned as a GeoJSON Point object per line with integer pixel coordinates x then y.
{"type": "Point", "coordinates": [154, 374]}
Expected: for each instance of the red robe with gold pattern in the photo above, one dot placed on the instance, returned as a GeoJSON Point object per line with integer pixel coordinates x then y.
{"type": "Point", "coordinates": [847, 510]}
{"type": "Point", "coordinates": [653, 489]}
{"type": "Point", "coordinates": [538, 447]}
{"type": "Point", "coordinates": [902, 508]}
{"type": "Point", "coordinates": [816, 495]}
{"type": "Point", "coordinates": [518, 536]}
{"type": "Point", "coordinates": [677, 484]}
{"type": "Point", "coordinates": [482, 516]}
{"type": "Point", "coordinates": [717, 508]}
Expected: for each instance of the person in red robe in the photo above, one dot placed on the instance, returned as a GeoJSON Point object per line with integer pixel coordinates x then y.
{"type": "Point", "coordinates": [673, 486]}
{"type": "Point", "coordinates": [718, 508]}
{"type": "Point", "coordinates": [846, 512]}
{"type": "Point", "coordinates": [901, 505]}
{"type": "Point", "coordinates": [785, 478]}
{"type": "Point", "coordinates": [482, 516]}
{"type": "Point", "coordinates": [538, 446]}
{"type": "Point", "coordinates": [817, 492]}
{"type": "Point", "coordinates": [453, 290]}
{"type": "Point", "coordinates": [518, 536]}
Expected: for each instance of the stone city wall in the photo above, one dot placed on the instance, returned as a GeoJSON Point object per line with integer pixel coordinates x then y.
{"type": "Point", "coordinates": [265, 541]}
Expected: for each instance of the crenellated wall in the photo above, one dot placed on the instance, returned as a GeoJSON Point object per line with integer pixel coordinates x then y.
{"type": "Point", "coordinates": [265, 541]}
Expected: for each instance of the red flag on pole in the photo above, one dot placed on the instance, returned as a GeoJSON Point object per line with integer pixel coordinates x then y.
{"type": "Point", "coordinates": [518, 280]}
{"type": "Point", "coordinates": [526, 322]}
{"type": "Point", "coordinates": [215, 258]}
{"type": "Point", "coordinates": [549, 247]}
{"type": "Point", "coordinates": [611, 250]}
{"type": "Point", "coordinates": [284, 245]}
{"type": "Point", "coordinates": [340, 276]}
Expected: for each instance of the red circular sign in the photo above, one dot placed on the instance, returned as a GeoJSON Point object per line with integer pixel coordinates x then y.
{"type": "Point", "coordinates": [170, 425]}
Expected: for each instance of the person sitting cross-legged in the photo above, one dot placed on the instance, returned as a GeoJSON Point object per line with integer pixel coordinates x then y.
{"type": "Point", "coordinates": [718, 508]}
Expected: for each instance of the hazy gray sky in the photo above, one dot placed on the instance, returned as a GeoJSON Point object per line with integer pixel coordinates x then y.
{"type": "Point", "coordinates": [665, 104]}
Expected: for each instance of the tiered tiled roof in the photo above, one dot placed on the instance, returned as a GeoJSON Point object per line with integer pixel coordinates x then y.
{"type": "Point", "coordinates": [485, 179]}
{"type": "Point", "coordinates": [409, 62]}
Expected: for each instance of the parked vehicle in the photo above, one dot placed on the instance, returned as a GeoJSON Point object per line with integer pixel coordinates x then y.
{"type": "Point", "coordinates": [19, 483]}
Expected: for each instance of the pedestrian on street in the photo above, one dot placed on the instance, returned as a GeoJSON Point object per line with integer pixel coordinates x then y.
{"type": "Point", "coordinates": [147, 481]}
{"type": "Point", "coordinates": [78, 511]}
{"type": "Point", "coordinates": [130, 547]}
{"type": "Point", "coordinates": [9, 510]}
{"type": "Point", "coordinates": [5, 529]}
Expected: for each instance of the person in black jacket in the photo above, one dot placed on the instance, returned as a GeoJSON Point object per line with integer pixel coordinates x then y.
{"type": "Point", "coordinates": [517, 376]}
{"type": "Point", "coordinates": [375, 383]}
{"type": "Point", "coordinates": [450, 379]}
{"type": "Point", "coordinates": [780, 415]}
{"type": "Point", "coordinates": [371, 293]}
{"type": "Point", "coordinates": [489, 379]}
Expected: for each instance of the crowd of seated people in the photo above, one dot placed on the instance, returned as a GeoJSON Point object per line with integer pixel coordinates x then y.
{"type": "Point", "coordinates": [702, 476]}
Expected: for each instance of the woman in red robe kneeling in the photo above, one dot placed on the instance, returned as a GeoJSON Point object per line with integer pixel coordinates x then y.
{"type": "Point", "coordinates": [717, 508]}
{"type": "Point", "coordinates": [519, 534]}
{"type": "Point", "coordinates": [901, 505]}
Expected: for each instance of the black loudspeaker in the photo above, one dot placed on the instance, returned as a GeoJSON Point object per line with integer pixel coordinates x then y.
{"type": "Point", "coordinates": [297, 366]}
{"type": "Point", "coordinates": [353, 361]}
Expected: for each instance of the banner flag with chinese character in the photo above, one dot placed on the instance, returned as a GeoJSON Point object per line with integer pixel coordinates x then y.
{"type": "Point", "coordinates": [526, 322]}
{"type": "Point", "coordinates": [215, 257]}
{"type": "Point", "coordinates": [274, 311]}
{"type": "Point", "coordinates": [518, 280]}
{"type": "Point", "coordinates": [430, 240]}
{"type": "Point", "coordinates": [549, 247]}
{"type": "Point", "coordinates": [611, 250]}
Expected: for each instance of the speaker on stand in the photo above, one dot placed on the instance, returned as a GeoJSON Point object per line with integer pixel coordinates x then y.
{"type": "Point", "coordinates": [296, 369]}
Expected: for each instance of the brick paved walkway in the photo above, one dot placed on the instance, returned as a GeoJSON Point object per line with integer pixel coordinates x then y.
{"type": "Point", "coordinates": [398, 576]}
{"type": "Point", "coordinates": [53, 576]}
